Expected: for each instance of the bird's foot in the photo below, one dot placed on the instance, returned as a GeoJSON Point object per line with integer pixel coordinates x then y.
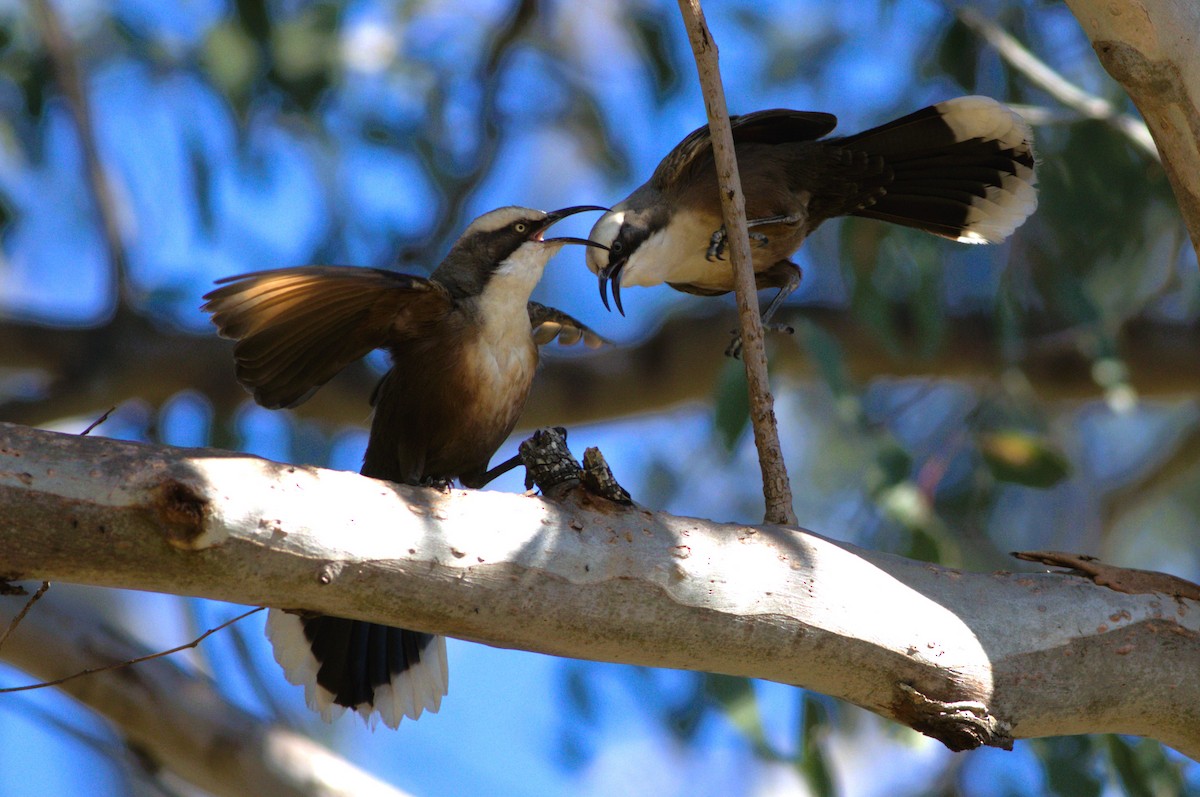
{"type": "Point", "coordinates": [719, 239]}
{"type": "Point", "coordinates": [716, 245]}
{"type": "Point", "coordinates": [441, 485]}
{"type": "Point", "coordinates": [734, 349]}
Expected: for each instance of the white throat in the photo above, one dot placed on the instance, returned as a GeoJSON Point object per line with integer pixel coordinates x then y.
{"type": "Point", "coordinates": [675, 253]}
{"type": "Point", "coordinates": [513, 281]}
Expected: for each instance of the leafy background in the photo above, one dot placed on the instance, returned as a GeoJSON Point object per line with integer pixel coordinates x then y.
{"type": "Point", "coordinates": [943, 402]}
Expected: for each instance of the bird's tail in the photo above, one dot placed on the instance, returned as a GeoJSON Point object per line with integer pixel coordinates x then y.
{"type": "Point", "coordinates": [962, 169]}
{"type": "Point", "coordinates": [297, 327]}
{"type": "Point", "coordinates": [376, 670]}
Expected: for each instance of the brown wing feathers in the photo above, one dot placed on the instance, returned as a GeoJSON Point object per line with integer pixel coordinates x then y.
{"type": "Point", "coordinates": [297, 327]}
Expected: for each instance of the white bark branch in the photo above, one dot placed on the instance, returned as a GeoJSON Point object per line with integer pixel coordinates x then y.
{"type": "Point", "coordinates": [176, 720]}
{"type": "Point", "coordinates": [1149, 47]}
{"type": "Point", "coordinates": [968, 658]}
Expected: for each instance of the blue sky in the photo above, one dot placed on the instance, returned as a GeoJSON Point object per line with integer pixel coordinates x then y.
{"type": "Point", "coordinates": [273, 195]}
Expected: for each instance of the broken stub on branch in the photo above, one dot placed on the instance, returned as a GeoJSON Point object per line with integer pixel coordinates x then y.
{"type": "Point", "coordinates": [550, 465]}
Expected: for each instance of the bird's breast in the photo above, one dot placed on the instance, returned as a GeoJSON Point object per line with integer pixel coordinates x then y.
{"type": "Point", "coordinates": [676, 253]}
{"type": "Point", "coordinates": [500, 362]}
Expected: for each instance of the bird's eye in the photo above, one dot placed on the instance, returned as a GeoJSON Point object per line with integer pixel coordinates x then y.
{"type": "Point", "coordinates": [520, 226]}
{"type": "Point", "coordinates": [617, 246]}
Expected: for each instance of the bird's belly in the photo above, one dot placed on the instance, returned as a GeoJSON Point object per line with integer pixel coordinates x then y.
{"type": "Point", "coordinates": [500, 375]}
{"type": "Point", "coordinates": [493, 382]}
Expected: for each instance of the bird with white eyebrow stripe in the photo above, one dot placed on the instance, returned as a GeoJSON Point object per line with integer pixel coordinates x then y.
{"type": "Point", "coordinates": [962, 169]}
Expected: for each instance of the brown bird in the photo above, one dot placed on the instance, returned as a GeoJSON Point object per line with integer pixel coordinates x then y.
{"type": "Point", "coordinates": [463, 345]}
{"type": "Point", "coordinates": [961, 169]}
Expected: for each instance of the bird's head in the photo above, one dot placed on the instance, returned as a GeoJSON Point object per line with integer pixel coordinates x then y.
{"type": "Point", "coordinates": [507, 244]}
{"type": "Point", "coordinates": [620, 232]}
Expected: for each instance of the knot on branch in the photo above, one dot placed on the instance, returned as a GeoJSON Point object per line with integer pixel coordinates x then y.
{"type": "Point", "coordinates": [553, 468]}
{"type": "Point", "coordinates": [960, 725]}
{"type": "Point", "coordinates": [598, 478]}
{"type": "Point", "coordinates": [549, 463]}
{"type": "Point", "coordinates": [183, 511]}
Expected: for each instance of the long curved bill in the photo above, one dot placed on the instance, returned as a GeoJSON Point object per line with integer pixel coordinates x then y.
{"type": "Point", "coordinates": [580, 241]}
{"type": "Point", "coordinates": [555, 216]}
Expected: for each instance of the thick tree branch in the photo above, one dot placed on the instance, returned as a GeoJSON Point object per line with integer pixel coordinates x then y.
{"type": "Point", "coordinates": [175, 720]}
{"type": "Point", "coordinates": [777, 490]}
{"type": "Point", "coordinates": [966, 657]}
{"type": "Point", "coordinates": [1149, 47]}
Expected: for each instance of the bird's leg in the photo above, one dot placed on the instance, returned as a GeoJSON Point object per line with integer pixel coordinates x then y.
{"type": "Point", "coordinates": [441, 485]}
{"type": "Point", "coordinates": [477, 480]}
{"type": "Point", "coordinates": [716, 244]}
{"type": "Point", "coordinates": [790, 274]}
{"type": "Point", "coordinates": [787, 275]}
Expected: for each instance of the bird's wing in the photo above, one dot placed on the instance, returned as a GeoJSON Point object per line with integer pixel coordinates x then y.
{"type": "Point", "coordinates": [549, 323]}
{"type": "Point", "coordinates": [775, 126]}
{"type": "Point", "coordinates": [297, 327]}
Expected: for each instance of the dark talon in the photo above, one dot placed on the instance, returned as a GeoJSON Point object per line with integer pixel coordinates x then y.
{"type": "Point", "coordinates": [604, 291]}
{"type": "Point", "coordinates": [616, 290]}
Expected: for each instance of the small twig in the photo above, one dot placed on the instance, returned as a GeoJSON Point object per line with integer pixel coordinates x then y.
{"type": "Point", "coordinates": [98, 421]}
{"type": "Point", "coordinates": [66, 71]}
{"type": "Point", "coordinates": [777, 491]}
{"type": "Point", "coordinates": [129, 662]}
{"type": "Point", "coordinates": [16, 621]}
{"type": "Point", "coordinates": [457, 182]}
{"type": "Point", "coordinates": [1040, 74]}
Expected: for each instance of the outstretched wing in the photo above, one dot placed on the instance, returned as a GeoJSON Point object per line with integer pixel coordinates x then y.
{"type": "Point", "coordinates": [775, 126]}
{"type": "Point", "coordinates": [297, 327]}
{"type": "Point", "coordinates": [549, 323]}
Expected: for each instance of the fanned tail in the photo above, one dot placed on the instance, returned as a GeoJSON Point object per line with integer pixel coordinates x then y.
{"type": "Point", "coordinates": [376, 670]}
{"type": "Point", "coordinates": [962, 169]}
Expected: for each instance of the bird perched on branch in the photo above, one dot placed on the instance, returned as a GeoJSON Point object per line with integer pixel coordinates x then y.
{"type": "Point", "coordinates": [463, 345]}
{"type": "Point", "coordinates": [961, 169]}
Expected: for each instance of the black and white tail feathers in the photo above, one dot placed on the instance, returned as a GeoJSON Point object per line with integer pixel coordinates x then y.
{"type": "Point", "coordinates": [962, 169]}
{"type": "Point", "coordinates": [378, 671]}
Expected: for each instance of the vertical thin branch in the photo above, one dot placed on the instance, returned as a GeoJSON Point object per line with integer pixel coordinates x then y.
{"type": "Point", "coordinates": [777, 490]}
{"type": "Point", "coordinates": [66, 72]}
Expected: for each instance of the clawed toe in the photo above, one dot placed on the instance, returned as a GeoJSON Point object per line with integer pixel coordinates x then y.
{"type": "Point", "coordinates": [719, 239]}
{"type": "Point", "coordinates": [734, 349]}
{"type": "Point", "coordinates": [716, 246]}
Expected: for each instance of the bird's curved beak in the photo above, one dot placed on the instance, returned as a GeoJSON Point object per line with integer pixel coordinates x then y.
{"type": "Point", "coordinates": [555, 216]}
